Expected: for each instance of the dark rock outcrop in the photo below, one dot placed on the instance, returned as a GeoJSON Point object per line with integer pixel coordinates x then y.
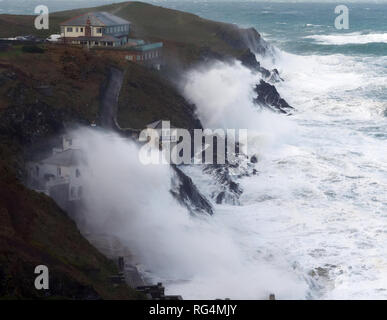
{"type": "Point", "coordinates": [269, 96]}
{"type": "Point", "coordinates": [249, 60]}
{"type": "Point", "coordinates": [274, 76]}
{"type": "Point", "coordinates": [254, 159]}
{"type": "Point", "coordinates": [254, 41]}
{"type": "Point", "coordinates": [185, 191]}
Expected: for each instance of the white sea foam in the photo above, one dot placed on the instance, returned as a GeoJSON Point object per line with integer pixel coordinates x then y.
{"type": "Point", "coordinates": [195, 257]}
{"type": "Point", "coordinates": [312, 224]}
{"type": "Point", "coordinates": [319, 202]}
{"type": "Point", "coordinates": [328, 188]}
{"type": "Point", "coordinates": [349, 38]}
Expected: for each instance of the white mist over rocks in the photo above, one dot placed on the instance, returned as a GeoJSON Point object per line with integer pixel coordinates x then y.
{"type": "Point", "coordinates": [197, 257]}
{"type": "Point", "coordinates": [223, 94]}
{"type": "Point", "coordinates": [319, 201]}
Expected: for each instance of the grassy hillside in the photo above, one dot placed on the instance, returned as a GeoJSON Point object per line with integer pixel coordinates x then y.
{"type": "Point", "coordinates": [146, 97]}
{"type": "Point", "coordinates": [34, 231]}
{"type": "Point", "coordinates": [39, 92]}
{"type": "Point", "coordinates": [186, 36]}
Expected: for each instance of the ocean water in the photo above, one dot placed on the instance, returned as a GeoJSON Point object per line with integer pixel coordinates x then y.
{"type": "Point", "coordinates": [318, 208]}
{"type": "Point", "coordinates": [313, 223]}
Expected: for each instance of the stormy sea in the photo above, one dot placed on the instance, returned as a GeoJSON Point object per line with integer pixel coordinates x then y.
{"type": "Point", "coordinates": [312, 222]}
{"type": "Point", "coordinates": [317, 211]}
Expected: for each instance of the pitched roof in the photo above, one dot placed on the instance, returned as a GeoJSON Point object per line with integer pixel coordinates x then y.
{"type": "Point", "coordinates": [68, 158]}
{"type": "Point", "coordinates": [98, 19]}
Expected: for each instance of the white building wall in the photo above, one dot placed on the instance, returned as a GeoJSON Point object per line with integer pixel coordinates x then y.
{"type": "Point", "coordinates": [76, 31]}
{"type": "Point", "coordinates": [76, 190]}
{"type": "Point", "coordinates": [95, 33]}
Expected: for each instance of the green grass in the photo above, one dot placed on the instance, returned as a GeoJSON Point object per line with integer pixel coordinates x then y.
{"type": "Point", "coordinates": [33, 230]}
{"type": "Point", "coordinates": [13, 52]}
{"type": "Point", "coordinates": [183, 33]}
{"type": "Point", "coordinates": [146, 97]}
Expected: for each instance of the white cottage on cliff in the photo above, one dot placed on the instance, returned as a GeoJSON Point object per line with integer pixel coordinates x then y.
{"type": "Point", "coordinates": [59, 175]}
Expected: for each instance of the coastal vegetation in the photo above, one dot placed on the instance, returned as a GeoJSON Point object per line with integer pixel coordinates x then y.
{"type": "Point", "coordinates": [45, 87]}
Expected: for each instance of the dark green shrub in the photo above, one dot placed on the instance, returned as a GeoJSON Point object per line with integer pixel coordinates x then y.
{"type": "Point", "coordinates": [32, 49]}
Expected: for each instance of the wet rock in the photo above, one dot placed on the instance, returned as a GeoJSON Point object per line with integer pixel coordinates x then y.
{"type": "Point", "coordinates": [185, 191]}
{"type": "Point", "coordinates": [274, 76]}
{"type": "Point", "coordinates": [249, 60]}
{"type": "Point", "coordinates": [227, 191]}
{"type": "Point", "coordinates": [268, 96]}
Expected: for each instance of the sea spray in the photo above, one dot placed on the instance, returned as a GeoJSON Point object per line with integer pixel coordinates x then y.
{"type": "Point", "coordinates": [223, 95]}
{"type": "Point", "coordinates": [195, 257]}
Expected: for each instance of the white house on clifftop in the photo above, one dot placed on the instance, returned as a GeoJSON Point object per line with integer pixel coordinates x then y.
{"type": "Point", "coordinates": [96, 29]}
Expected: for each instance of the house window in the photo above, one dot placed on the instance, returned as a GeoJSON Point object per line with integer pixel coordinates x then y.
{"type": "Point", "coordinates": [59, 171]}
{"type": "Point", "coordinates": [138, 58]}
{"type": "Point", "coordinates": [69, 29]}
{"type": "Point", "coordinates": [76, 29]}
{"type": "Point", "coordinates": [99, 30]}
{"type": "Point", "coordinates": [72, 192]}
{"type": "Point", "coordinates": [81, 29]}
{"type": "Point", "coordinates": [77, 173]}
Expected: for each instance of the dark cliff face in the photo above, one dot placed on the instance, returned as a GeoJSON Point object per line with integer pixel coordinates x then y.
{"type": "Point", "coordinates": [249, 60]}
{"type": "Point", "coordinates": [147, 96]}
